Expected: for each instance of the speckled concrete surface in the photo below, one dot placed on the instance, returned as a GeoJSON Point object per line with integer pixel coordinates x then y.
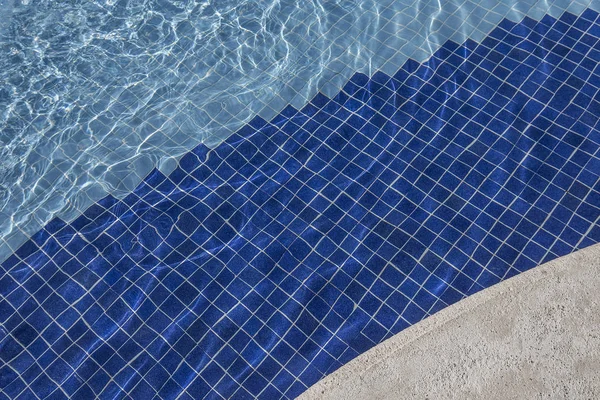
{"type": "Point", "coordinates": [534, 336]}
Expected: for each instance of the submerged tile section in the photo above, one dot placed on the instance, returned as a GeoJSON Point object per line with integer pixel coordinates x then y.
{"type": "Point", "coordinates": [257, 267]}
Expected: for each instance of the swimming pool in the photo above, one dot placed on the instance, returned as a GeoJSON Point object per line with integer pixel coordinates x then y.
{"type": "Point", "coordinates": [224, 199]}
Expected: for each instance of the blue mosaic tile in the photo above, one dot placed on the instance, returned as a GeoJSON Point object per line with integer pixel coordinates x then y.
{"type": "Point", "coordinates": [256, 268]}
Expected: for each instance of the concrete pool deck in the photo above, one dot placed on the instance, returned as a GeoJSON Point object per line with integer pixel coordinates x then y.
{"type": "Point", "coordinates": [534, 336]}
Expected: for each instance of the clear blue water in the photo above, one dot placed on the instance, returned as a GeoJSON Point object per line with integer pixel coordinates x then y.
{"type": "Point", "coordinates": [93, 95]}
{"type": "Point", "coordinates": [96, 93]}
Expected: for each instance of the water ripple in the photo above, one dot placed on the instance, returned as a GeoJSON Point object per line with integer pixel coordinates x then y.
{"type": "Point", "coordinates": [92, 93]}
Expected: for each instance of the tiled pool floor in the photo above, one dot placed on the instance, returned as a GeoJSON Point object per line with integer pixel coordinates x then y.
{"type": "Point", "coordinates": [255, 268]}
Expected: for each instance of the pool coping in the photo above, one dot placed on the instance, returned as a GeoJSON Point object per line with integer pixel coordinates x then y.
{"type": "Point", "coordinates": [556, 288]}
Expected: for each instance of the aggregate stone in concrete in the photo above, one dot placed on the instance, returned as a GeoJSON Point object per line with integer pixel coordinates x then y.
{"type": "Point", "coordinates": [535, 336]}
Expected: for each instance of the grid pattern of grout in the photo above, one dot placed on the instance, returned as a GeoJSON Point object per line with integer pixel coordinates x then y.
{"type": "Point", "coordinates": [257, 267]}
{"type": "Point", "coordinates": [353, 37]}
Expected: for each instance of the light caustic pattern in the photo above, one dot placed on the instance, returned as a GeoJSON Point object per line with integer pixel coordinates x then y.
{"type": "Point", "coordinates": [93, 95]}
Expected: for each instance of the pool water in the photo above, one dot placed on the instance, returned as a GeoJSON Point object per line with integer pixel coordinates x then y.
{"type": "Point", "coordinates": [232, 200]}
{"type": "Point", "coordinates": [93, 95]}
